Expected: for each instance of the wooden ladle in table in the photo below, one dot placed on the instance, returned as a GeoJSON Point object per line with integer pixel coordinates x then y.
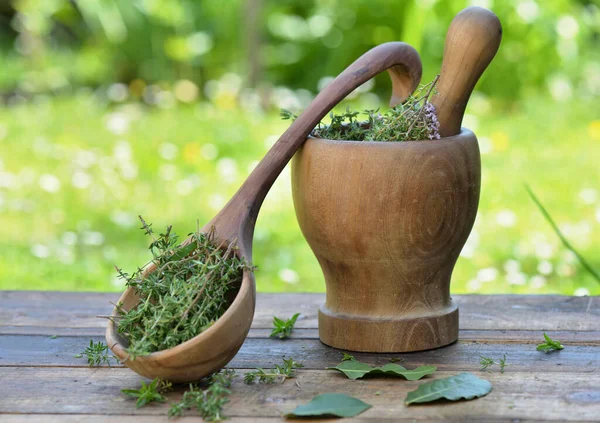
{"type": "Point", "coordinates": [216, 346]}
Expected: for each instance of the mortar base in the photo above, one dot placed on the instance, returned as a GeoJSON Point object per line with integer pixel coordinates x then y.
{"type": "Point", "coordinates": [389, 335]}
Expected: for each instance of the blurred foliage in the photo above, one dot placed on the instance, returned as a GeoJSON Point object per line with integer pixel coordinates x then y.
{"type": "Point", "coordinates": [54, 44]}
{"type": "Point", "coordinates": [114, 108]}
{"type": "Point", "coordinates": [72, 184]}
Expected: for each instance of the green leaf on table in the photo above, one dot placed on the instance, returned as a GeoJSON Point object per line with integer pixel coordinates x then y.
{"type": "Point", "coordinates": [283, 328]}
{"type": "Point", "coordinates": [347, 357]}
{"type": "Point", "coordinates": [355, 370]}
{"type": "Point", "coordinates": [550, 345]}
{"type": "Point", "coordinates": [338, 405]}
{"type": "Point", "coordinates": [149, 393]}
{"type": "Point", "coordinates": [463, 386]}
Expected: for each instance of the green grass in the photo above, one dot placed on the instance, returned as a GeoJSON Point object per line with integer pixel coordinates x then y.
{"type": "Point", "coordinates": [68, 238]}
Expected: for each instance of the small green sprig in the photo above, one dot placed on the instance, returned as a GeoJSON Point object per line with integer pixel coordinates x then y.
{"type": "Point", "coordinates": [96, 353]}
{"type": "Point", "coordinates": [283, 329]}
{"type": "Point", "coordinates": [287, 371]}
{"type": "Point", "coordinates": [151, 392]}
{"type": "Point", "coordinates": [347, 357]}
{"type": "Point", "coordinates": [208, 402]}
{"type": "Point", "coordinates": [549, 345]}
{"type": "Point", "coordinates": [487, 362]}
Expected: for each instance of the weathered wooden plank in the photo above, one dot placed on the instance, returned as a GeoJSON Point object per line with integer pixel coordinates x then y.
{"type": "Point", "coordinates": [97, 418]}
{"type": "Point", "coordinates": [461, 356]}
{"type": "Point", "coordinates": [76, 310]}
{"type": "Point", "coordinates": [503, 336]}
{"type": "Point", "coordinates": [520, 395]}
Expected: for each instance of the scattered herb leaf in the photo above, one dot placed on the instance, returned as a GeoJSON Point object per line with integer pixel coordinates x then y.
{"type": "Point", "coordinates": [208, 402]}
{"type": "Point", "coordinates": [464, 385]}
{"type": "Point", "coordinates": [149, 393]}
{"type": "Point", "coordinates": [96, 353]}
{"type": "Point", "coordinates": [354, 369]}
{"type": "Point", "coordinates": [396, 360]}
{"type": "Point", "coordinates": [287, 371]}
{"type": "Point", "coordinates": [487, 362]}
{"type": "Point", "coordinates": [549, 345]}
{"type": "Point", "coordinates": [53, 336]}
{"type": "Point", "coordinates": [283, 329]}
{"type": "Point", "coordinates": [502, 363]}
{"type": "Point", "coordinates": [347, 357]}
{"type": "Point", "coordinates": [338, 405]}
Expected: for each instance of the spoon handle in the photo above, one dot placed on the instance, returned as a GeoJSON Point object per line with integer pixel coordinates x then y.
{"type": "Point", "coordinates": [403, 64]}
{"type": "Point", "coordinates": [471, 43]}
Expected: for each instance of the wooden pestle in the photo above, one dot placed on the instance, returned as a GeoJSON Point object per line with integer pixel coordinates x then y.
{"type": "Point", "coordinates": [471, 43]}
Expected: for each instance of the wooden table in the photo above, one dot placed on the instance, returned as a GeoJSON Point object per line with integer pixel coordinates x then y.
{"type": "Point", "coordinates": [41, 380]}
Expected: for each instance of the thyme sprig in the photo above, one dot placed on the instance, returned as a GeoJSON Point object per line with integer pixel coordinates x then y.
{"type": "Point", "coordinates": [549, 345]}
{"type": "Point", "coordinates": [96, 353]}
{"type": "Point", "coordinates": [282, 329]}
{"type": "Point", "coordinates": [415, 119]}
{"type": "Point", "coordinates": [186, 293]}
{"type": "Point", "coordinates": [208, 402]}
{"type": "Point", "coordinates": [487, 362]}
{"type": "Point", "coordinates": [152, 392]}
{"type": "Point", "coordinates": [284, 372]}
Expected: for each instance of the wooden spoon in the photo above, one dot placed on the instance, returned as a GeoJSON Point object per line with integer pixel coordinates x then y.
{"type": "Point", "coordinates": [216, 346]}
{"type": "Point", "coordinates": [471, 43]}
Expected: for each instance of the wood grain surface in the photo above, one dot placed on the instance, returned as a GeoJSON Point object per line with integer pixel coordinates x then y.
{"type": "Point", "coordinates": [42, 381]}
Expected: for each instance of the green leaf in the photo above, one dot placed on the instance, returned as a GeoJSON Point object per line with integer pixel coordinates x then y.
{"type": "Point", "coordinates": [183, 252]}
{"type": "Point", "coordinates": [550, 345]}
{"type": "Point", "coordinates": [354, 369]}
{"type": "Point", "coordinates": [132, 392]}
{"type": "Point", "coordinates": [347, 357]}
{"type": "Point", "coordinates": [464, 385]}
{"type": "Point", "coordinates": [338, 405]}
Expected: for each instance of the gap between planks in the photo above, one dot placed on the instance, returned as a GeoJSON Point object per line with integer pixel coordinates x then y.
{"type": "Point", "coordinates": [465, 335]}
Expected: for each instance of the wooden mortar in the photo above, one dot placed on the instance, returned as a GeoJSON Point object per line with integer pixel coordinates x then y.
{"type": "Point", "coordinates": [387, 221]}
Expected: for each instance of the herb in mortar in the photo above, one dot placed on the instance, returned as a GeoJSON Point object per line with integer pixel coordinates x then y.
{"type": "Point", "coordinates": [96, 353]}
{"type": "Point", "coordinates": [185, 295]}
{"type": "Point", "coordinates": [283, 328]}
{"type": "Point", "coordinates": [415, 119]}
{"type": "Point", "coordinates": [208, 402]}
{"type": "Point", "coordinates": [287, 371]}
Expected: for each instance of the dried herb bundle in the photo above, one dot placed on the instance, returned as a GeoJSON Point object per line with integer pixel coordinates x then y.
{"type": "Point", "coordinates": [413, 120]}
{"type": "Point", "coordinates": [186, 293]}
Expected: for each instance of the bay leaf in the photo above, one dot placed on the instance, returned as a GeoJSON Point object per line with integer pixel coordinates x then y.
{"type": "Point", "coordinates": [331, 404]}
{"type": "Point", "coordinates": [354, 369]}
{"type": "Point", "coordinates": [462, 386]}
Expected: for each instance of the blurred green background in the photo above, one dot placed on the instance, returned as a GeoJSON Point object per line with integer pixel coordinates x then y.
{"type": "Point", "coordinates": [114, 108]}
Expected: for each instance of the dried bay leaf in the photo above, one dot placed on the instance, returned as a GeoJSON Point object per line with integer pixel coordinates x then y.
{"type": "Point", "coordinates": [463, 386]}
{"type": "Point", "coordinates": [354, 369]}
{"type": "Point", "coordinates": [331, 404]}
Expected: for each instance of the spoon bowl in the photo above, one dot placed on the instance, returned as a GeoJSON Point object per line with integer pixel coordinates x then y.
{"type": "Point", "coordinates": [216, 346]}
